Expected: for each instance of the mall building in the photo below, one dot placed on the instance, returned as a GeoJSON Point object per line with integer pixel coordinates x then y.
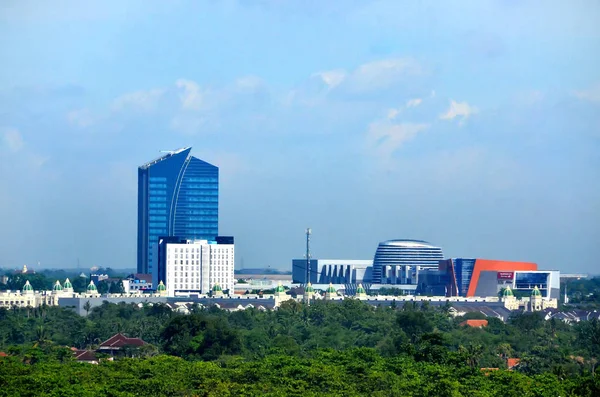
{"type": "Point", "coordinates": [483, 277]}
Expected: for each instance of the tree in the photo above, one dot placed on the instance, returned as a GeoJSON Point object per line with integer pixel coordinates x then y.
{"type": "Point", "coordinates": [414, 323]}
{"type": "Point", "coordinates": [87, 307]}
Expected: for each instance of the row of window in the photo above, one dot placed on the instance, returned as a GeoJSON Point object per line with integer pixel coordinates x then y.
{"type": "Point", "coordinates": [200, 179]}
{"type": "Point", "coordinates": [212, 255]}
{"type": "Point", "coordinates": [198, 218]}
{"type": "Point", "coordinates": [194, 262]}
{"type": "Point", "coordinates": [191, 225]}
{"type": "Point", "coordinates": [197, 249]}
{"type": "Point", "coordinates": [200, 185]}
{"type": "Point", "coordinates": [157, 179]}
{"type": "Point", "coordinates": [197, 204]}
{"type": "Point", "coordinates": [183, 193]}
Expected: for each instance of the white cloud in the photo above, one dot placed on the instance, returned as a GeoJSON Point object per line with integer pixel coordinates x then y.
{"type": "Point", "coordinates": [385, 137]}
{"type": "Point", "coordinates": [332, 78]}
{"type": "Point", "coordinates": [191, 95]}
{"type": "Point", "coordinates": [412, 103]}
{"type": "Point", "coordinates": [459, 109]}
{"type": "Point", "coordinates": [249, 83]}
{"type": "Point", "coordinates": [144, 101]}
{"type": "Point", "coordinates": [392, 113]}
{"type": "Point", "coordinates": [592, 94]}
{"type": "Point", "coordinates": [13, 139]}
{"type": "Point", "coordinates": [80, 118]}
{"type": "Point", "coordinates": [383, 74]}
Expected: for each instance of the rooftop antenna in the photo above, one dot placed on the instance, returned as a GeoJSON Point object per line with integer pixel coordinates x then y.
{"type": "Point", "coordinates": [308, 233]}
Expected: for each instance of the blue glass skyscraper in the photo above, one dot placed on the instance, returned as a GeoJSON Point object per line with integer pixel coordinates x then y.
{"type": "Point", "coordinates": [178, 195]}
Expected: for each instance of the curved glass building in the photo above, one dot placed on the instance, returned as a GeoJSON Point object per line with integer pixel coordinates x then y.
{"type": "Point", "coordinates": [178, 195]}
{"type": "Point", "coordinates": [397, 261]}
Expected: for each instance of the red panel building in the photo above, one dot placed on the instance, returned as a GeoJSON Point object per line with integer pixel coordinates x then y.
{"type": "Point", "coordinates": [464, 275]}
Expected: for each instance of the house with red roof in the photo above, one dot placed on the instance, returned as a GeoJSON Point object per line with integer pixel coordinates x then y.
{"type": "Point", "coordinates": [474, 323]}
{"type": "Point", "coordinates": [119, 342]}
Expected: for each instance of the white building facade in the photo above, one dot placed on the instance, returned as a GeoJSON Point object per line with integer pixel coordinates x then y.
{"type": "Point", "coordinates": [195, 266]}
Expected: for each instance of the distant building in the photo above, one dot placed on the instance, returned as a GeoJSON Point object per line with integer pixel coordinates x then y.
{"type": "Point", "coordinates": [483, 277]}
{"type": "Point", "coordinates": [178, 195]}
{"type": "Point", "coordinates": [194, 266]}
{"type": "Point", "coordinates": [336, 271]}
{"type": "Point", "coordinates": [137, 282]}
{"type": "Point", "coordinates": [399, 261]}
{"type": "Point", "coordinates": [27, 297]}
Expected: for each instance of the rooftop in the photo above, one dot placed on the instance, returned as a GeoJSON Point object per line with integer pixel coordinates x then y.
{"type": "Point", "coordinates": [119, 340]}
{"type": "Point", "coordinates": [168, 154]}
{"type": "Point", "coordinates": [407, 243]}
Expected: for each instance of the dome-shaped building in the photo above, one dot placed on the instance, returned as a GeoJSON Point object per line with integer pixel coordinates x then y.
{"type": "Point", "coordinates": [396, 261]}
{"type": "Point", "coordinates": [27, 288]}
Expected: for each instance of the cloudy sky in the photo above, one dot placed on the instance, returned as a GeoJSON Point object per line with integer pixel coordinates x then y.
{"type": "Point", "coordinates": [473, 125]}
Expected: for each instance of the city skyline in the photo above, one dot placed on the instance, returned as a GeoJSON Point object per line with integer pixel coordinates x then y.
{"type": "Point", "coordinates": [474, 128]}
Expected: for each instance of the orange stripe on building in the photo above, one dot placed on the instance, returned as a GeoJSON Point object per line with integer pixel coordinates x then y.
{"type": "Point", "coordinates": [482, 265]}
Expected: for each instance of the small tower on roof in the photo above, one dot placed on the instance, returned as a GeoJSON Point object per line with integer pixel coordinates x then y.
{"type": "Point", "coordinates": [309, 292]}
{"type": "Point", "coordinates": [280, 294]}
{"type": "Point", "coordinates": [509, 299]}
{"type": "Point", "coordinates": [217, 291]}
{"type": "Point", "coordinates": [536, 299]}
{"type": "Point", "coordinates": [360, 292]}
{"type": "Point", "coordinates": [91, 288]}
{"type": "Point", "coordinates": [280, 290]}
{"type": "Point", "coordinates": [330, 292]}
{"type": "Point", "coordinates": [68, 287]}
{"type": "Point", "coordinates": [27, 288]}
{"type": "Point", "coordinates": [57, 288]}
{"type": "Point", "coordinates": [161, 289]}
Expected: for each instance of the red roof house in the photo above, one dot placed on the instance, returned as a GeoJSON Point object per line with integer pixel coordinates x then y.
{"type": "Point", "coordinates": [475, 323]}
{"type": "Point", "coordinates": [119, 341]}
{"type": "Point", "coordinates": [85, 356]}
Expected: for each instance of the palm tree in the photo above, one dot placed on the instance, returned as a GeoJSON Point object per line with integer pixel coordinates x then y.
{"type": "Point", "coordinates": [473, 354]}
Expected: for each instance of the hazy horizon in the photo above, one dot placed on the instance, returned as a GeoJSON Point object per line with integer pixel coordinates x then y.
{"type": "Point", "coordinates": [475, 128]}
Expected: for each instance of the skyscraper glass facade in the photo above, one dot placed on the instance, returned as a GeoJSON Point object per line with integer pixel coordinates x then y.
{"type": "Point", "coordinates": [178, 195]}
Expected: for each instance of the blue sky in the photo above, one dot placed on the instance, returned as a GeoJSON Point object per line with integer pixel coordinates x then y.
{"type": "Point", "coordinates": [473, 125]}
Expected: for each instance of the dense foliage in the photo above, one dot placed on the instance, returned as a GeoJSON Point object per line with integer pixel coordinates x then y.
{"type": "Point", "coordinates": [347, 348]}
{"type": "Point", "coordinates": [585, 292]}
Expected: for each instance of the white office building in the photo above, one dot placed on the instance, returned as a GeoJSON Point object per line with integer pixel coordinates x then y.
{"type": "Point", "coordinates": [194, 266]}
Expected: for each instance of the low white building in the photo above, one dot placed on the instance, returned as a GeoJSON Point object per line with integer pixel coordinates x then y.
{"type": "Point", "coordinates": [27, 297]}
{"type": "Point", "coordinates": [194, 266]}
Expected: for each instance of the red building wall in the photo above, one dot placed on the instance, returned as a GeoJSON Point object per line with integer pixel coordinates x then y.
{"type": "Point", "coordinates": [494, 265]}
